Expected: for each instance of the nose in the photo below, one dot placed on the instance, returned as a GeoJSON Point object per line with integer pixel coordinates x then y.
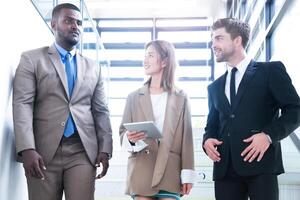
{"type": "Point", "coordinates": [213, 44]}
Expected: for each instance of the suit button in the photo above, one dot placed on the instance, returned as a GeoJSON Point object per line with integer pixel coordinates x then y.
{"type": "Point", "coordinates": [232, 116]}
{"type": "Point", "coordinates": [62, 124]}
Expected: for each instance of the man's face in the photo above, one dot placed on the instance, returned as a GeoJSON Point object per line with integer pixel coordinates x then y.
{"type": "Point", "coordinates": [67, 28]}
{"type": "Point", "coordinates": [222, 45]}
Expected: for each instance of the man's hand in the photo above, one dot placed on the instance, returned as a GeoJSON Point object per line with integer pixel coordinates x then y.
{"type": "Point", "coordinates": [135, 136]}
{"type": "Point", "coordinates": [103, 159]}
{"type": "Point", "coordinates": [210, 146]}
{"type": "Point", "coordinates": [259, 145]}
{"type": "Point", "coordinates": [186, 188]}
{"type": "Point", "coordinates": [33, 164]}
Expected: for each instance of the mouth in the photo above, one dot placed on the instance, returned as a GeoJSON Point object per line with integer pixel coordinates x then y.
{"type": "Point", "coordinates": [75, 34]}
{"type": "Point", "coordinates": [217, 52]}
{"type": "Point", "coordinates": [146, 66]}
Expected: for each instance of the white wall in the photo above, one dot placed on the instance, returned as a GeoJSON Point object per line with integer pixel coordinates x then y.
{"type": "Point", "coordinates": [285, 42]}
{"type": "Point", "coordinates": [21, 29]}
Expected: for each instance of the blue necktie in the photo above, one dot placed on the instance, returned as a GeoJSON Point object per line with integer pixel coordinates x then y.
{"type": "Point", "coordinates": [232, 86]}
{"type": "Point", "coordinates": [70, 126]}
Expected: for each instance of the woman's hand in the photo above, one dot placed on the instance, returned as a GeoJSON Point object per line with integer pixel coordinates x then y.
{"type": "Point", "coordinates": [186, 188]}
{"type": "Point", "coordinates": [135, 136]}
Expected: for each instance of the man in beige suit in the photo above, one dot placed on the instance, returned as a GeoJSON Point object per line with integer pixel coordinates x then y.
{"type": "Point", "coordinates": [61, 120]}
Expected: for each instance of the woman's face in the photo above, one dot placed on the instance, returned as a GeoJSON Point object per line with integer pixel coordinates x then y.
{"type": "Point", "coordinates": [152, 62]}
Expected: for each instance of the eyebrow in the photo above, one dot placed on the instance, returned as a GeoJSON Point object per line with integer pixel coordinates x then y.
{"type": "Point", "coordinates": [72, 18]}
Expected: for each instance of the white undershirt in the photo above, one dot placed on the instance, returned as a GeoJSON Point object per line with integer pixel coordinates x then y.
{"type": "Point", "coordinates": [159, 104]}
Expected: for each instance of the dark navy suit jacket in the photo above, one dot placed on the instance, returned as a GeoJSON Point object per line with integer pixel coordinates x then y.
{"type": "Point", "coordinates": [266, 101]}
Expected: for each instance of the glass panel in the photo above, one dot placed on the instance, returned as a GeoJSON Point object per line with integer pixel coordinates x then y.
{"type": "Point", "coordinates": [125, 54]}
{"type": "Point", "coordinates": [194, 71]}
{"type": "Point", "coordinates": [199, 107]}
{"type": "Point", "coordinates": [125, 23]}
{"type": "Point", "coordinates": [121, 89]}
{"type": "Point", "coordinates": [185, 36]}
{"type": "Point", "coordinates": [116, 106]}
{"type": "Point", "coordinates": [117, 37]}
{"type": "Point", "coordinates": [126, 72]}
{"type": "Point", "coordinates": [194, 88]}
{"type": "Point", "coordinates": [183, 22]}
{"type": "Point", "coordinates": [193, 54]}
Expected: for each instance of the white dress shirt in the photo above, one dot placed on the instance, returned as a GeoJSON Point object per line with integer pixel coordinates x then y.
{"type": "Point", "coordinates": [241, 68]}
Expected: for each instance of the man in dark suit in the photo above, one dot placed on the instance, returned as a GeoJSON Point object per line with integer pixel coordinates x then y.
{"type": "Point", "coordinates": [252, 107]}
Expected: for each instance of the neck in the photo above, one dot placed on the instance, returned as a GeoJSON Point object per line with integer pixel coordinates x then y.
{"type": "Point", "coordinates": [237, 58]}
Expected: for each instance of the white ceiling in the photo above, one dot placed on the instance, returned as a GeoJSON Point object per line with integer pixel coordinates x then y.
{"type": "Point", "coordinates": [156, 8]}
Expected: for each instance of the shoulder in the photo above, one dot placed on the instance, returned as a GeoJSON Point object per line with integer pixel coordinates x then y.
{"type": "Point", "coordinates": [180, 92]}
{"type": "Point", "coordinates": [270, 65]}
{"type": "Point", "coordinates": [140, 91]}
{"type": "Point", "coordinates": [216, 82]}
{"type": "Point", "coordinates": [86, 60]}
{"type": "Point", "coordinates": [36, 52]}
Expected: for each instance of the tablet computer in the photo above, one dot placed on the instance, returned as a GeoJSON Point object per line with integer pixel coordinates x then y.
{"type": "Point", "coordinates": [147, 127]}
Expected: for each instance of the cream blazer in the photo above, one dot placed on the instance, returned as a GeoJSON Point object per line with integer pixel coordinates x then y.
{"type": "Point", "coordinates": [41, 104]}
{"type": "Point", "coordinates": [159, 165]}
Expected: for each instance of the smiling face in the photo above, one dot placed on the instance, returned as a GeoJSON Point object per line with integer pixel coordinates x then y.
{"type": "Point", "coordinates": [153, 64]}
{"type": "Point", "coordinates": [67, 27]}
{"type": "Point", "coordinates": [223, 45]}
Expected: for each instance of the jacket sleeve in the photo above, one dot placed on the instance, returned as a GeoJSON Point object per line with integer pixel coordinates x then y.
{"type": "Point", "coordinates": [212, 124]}
{"type": "Point", "coordinates": [127, 118]}
{"type": "Point", "coordinates": [101, 117]}
{"type": "Point", "coordinates": [187, 154]}
{"type": "Point", "coordinates": [24, 91]}
{"type": "Point", "coordinates": [286, 98]}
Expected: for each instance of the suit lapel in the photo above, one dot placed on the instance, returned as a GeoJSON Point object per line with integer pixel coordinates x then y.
{"type": "Point", "coordinates": [145, 103]}
{"type": "Point", "coordinates": [250, 71]}
{"type": "Point", "coordinates": [80, 74]}
{"type": "Point", "coordinates": [221, 98]}
{"type": "Point", "coordinates": [59, 66]}
{"type": "Point", "coordinates": [174, 109]}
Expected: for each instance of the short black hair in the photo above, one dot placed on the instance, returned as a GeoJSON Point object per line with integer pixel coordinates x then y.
{"type": "Point", "coordinates": [56, 10]}
{"type": "Point", "coordinates": [234, 27]}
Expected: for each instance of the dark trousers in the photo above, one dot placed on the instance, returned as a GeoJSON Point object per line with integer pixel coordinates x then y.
{"type": "Point", "coordinates": [235, 187]}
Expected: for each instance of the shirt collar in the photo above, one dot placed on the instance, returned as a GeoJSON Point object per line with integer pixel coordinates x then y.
{"type": "Point", "coordinates": [64, 52]}
{"type": "Point", "coordinates": [241, 66]}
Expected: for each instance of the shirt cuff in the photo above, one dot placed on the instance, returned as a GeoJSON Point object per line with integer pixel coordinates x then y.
{"type": "Point", "coordinates": [269, 138]}
{"type": "Point", "coordinates": [188, 176]}
{"type": "Point", "coordinates": [139, 145]}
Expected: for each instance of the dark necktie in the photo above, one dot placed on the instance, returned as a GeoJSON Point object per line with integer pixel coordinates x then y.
{"type": "Point", "coordinates": [232, 86]}
{"type": "Point", "coordinates": [70, 127]}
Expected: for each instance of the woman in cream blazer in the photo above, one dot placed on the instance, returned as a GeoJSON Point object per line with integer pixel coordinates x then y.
{"type": "Point", "coordinates": [159, 168]}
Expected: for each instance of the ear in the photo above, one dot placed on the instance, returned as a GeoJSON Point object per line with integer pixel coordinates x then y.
{"type": "Point", "coordinates": [238, 41]}
{"type": "Point", "coordinates": [53, 24]}
{"type": "Point", "coordinates": [163, 63]}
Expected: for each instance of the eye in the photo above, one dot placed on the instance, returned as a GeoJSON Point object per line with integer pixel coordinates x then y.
{"type": "Point", "coordinates": [67, 21]}
{"type": "Point", "coordinates": [79, 22]}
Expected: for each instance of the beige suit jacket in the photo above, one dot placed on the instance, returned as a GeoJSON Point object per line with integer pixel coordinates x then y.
{"type": "Point", "coordinates": [160, 169]}
{"type": "Point", "coordinates": [41, 104]}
